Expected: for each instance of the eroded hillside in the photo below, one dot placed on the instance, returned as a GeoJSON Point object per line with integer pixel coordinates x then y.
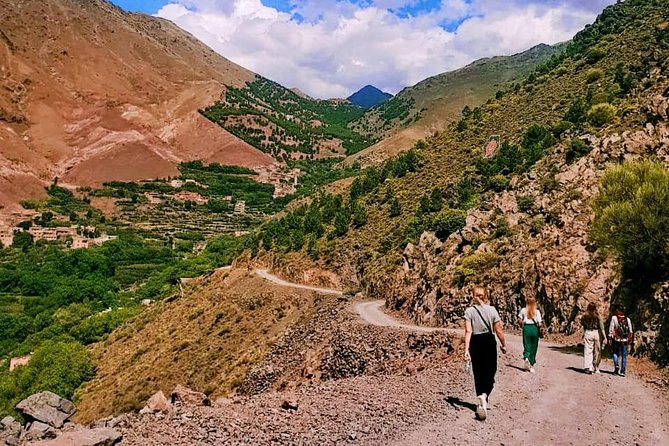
{"type": "Point", "coordinates": [91, 94]}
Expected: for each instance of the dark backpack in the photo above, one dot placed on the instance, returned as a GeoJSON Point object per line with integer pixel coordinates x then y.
{"type": "Point", "coordinates": [623, 327]}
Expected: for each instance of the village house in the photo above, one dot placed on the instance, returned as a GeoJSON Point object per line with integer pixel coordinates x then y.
{"type": "Point", "coordinates": [240, 207]}
{"type": "Point", "coordinates": [191, 196]}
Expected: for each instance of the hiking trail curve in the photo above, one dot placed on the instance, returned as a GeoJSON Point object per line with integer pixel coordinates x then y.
{"type": "Point", "coordinates": [559, 405]}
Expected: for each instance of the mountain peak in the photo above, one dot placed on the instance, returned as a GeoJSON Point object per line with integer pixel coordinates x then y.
{"type": "Point", "coordinates": [369, 96]}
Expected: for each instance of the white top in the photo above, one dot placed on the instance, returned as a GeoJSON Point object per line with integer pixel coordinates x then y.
{"type": "Point", "coordinates": [613, 329]}
{"type": "Point", "coordinates": [525, 320]}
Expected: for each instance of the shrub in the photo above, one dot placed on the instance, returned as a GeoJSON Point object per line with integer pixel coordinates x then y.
{"type": "Point", "coordinates": [593, 75]}
{"type": "Point", "coordinates": [525, 203]}
{"type": "Point", "coordinates": [577, 149]}
{"type": "Point", "coordinates": [576, 113]}
{"type": "Point", "coordinates": [498, 183]}
{"type": "Point", "coordinates": [632, 216]}
{"type": "Point", "coordinates": [447, 222]}
{"type": "Point", "coordinates": [601, 114]}
{"type": "Point", "coordinates": [473, 267]}
{"type": "Point", "coordinates": [560, 128]}
{"type": "Point", "coordinates": [58, 366]}
{"type": "Point", "coordinates": [395, 208]}
{"type": "Point", "coordinates": [502, 228]}
{"type": "Point", "coordinates": [537, 225]}
{"type": "Point", "coordinates": [595, 55]}
{"type": "Point", "coordinates": [549, 183]}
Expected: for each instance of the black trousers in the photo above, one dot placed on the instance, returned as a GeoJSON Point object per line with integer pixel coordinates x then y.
{"type": "Point", "coordinates": [483, 350]}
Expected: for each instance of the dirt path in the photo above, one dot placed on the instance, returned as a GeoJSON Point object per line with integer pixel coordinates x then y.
{"type": "Point", "coordinates": [265, 274]}
{"type": "Point", "coordinates": [558, 405]}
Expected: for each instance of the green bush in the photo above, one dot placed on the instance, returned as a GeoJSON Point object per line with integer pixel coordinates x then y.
{"type": "Point", "coordinates": [525, 203]}
{"type": "Point", "coordinates": [57, 366]}
{"type": "Point", "coordinates": [601, 114]}
{"type": "Point", "coordinates": [395, 208]}
{"type": "Point", "coordinates": [537, 225]}
{"type": "Point", "coordinates": [502, 228]}
{"type": "Point", "coordinates": [560, 128]}
{"type": "Point", "coordinates": [593, 75]}
{"type": "Point", "coordinates": [595, 55]}
{"type": "Point", "coordinates": [447, 221]}
{"type": "Point", "coordinates": [498, 183]}
{"type": "Point", "coordinates": [577, 148]}
{"type": "Point", "coordinates": [472, 268]}
{"type": "Point", "coordinates": [632, 215]}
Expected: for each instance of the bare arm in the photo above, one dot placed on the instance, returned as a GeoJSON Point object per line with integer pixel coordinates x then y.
{"type": "Point", "coordinates": [468, 338]}
{"type": "Point", "coordinates": [499, 330]}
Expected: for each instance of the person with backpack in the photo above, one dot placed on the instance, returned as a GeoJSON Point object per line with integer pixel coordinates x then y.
{"type": "Point", "coordinates": [530, 322]}
{"type": "Point", "coordinates": [620, 334]}
{"type": "Point", "coordinates": [481, 347]}
{"type": "Point", "coordinates": [593, 338]}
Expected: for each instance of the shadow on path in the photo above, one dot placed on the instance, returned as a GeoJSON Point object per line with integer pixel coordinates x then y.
{"type": "Point", "coordinates": [457, 403]}
{"type": "Point", "coordinates": [567, 349]}
{"type": "Point", "coordinates": [517, 367]}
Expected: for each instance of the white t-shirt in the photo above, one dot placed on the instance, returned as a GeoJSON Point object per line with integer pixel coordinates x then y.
{"type": "Point", "coordinates": [525, 320]}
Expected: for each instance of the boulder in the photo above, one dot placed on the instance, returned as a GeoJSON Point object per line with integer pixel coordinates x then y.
{"type": "Point", "coordinates": [183, 395]}
{"type": "Point", "coordinates": [47, 407]}
{"type": "Point", "coordinates": [89, 437]}
{"type": "Point", "coordinates": [10, 431]}
{"type": "Point", "coordinates": [39, 431]}
{"type": "Point", "coordinates": [157, 403]}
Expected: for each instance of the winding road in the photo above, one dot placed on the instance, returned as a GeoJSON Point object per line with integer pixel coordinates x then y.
{"type": "Point", "coordinates": [559, 405]}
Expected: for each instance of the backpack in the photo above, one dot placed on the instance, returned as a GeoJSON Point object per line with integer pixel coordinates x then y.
{"type": "Point", "coordinates": [623, 327]}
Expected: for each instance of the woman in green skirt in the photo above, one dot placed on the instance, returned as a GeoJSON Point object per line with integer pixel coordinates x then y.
{"type": "Point", "coordinates": [530, 320]}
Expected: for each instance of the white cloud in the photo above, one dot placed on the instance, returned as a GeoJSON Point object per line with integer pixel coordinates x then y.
{"type": "Point", "coordinates": [340, 46]}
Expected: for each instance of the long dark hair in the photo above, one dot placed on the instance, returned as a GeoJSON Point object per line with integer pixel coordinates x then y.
{"type": "Point", "coordinates": [591, 316]}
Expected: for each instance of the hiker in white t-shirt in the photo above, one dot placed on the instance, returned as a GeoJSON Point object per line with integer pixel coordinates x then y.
{"type": "Point", "coordinates": [530, 322]}
{"type": "Point", "coordinates": [620, 335]}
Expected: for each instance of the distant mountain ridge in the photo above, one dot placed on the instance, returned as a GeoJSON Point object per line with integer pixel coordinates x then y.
{"type": "Point", "coordinates": [429, 106]}
{"type": "Point", "coordinates": [369, 96]}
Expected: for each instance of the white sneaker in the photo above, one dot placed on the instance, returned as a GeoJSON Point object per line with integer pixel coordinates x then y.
{"type": "Point", "coordinates": [532, 370]}
{"type": "Point", "coordinates": [481, 411]}
{"type": "Point", "coordinates": [597, 372]}
{"type": "Point", "coordinates": [527, 364]}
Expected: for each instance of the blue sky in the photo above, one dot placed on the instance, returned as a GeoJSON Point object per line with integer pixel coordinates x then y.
{"type": "Point", "coordinates": [152, 6]}
{"type": "Point", "coordinates": [330, 48]}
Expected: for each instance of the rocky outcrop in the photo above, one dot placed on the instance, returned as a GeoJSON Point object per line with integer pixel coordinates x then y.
{"type": "Point", "coordinates": [88, 437]}
{"type": "Point", "coordinates": [47, 415]}
{"type": "Point", "coordinates": [157, 403]}
{"type": "Point", "coordinates": [183, 395]}
{"type": "Point", "coordinates": [48, 408]}
{"type": "Point", "coordinates": [332, 344]}
{"type": "Point", "coordinates": [539, 249]}
{"type": "Point", "coordinates": [10, 432]}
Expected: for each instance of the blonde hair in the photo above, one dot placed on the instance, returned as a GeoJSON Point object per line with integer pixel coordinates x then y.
{"type": "Point", "coordinates": [531, 307]}
{"type": "Point", "coordinates": [480, 295]}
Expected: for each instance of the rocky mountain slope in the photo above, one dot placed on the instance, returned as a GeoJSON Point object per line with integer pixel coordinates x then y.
{"type": "Point", "coordinates": [432, 104]}
{"type": "Point", "coordinates": [508, 190]}
{"type": "Point", "coordinates": [91, 93]}
{"type": "Point", "coordinates": [234, 333]}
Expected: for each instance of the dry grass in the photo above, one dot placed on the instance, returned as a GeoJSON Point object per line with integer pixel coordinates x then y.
{"type": "Point", "coordinates": [206, 340]}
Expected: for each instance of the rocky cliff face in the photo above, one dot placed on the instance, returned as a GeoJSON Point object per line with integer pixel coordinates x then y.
{"type": "Point", "coordinates": [541, 250]}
